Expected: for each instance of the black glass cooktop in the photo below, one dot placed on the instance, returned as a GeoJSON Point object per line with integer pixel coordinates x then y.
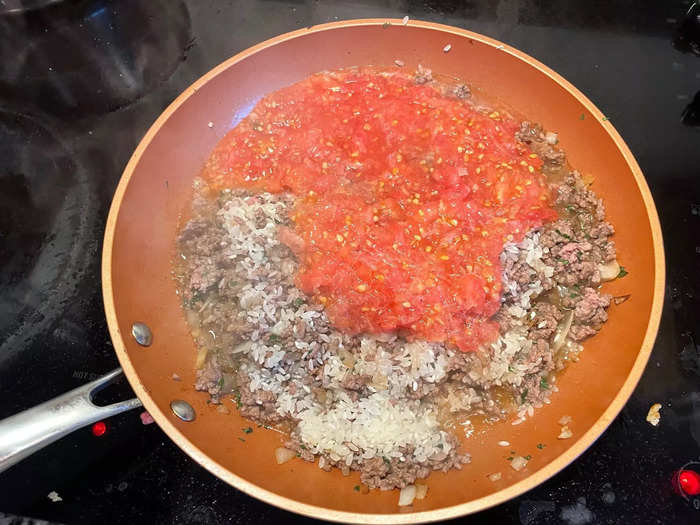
{"type": "Point", "coordinates": [82, 80]}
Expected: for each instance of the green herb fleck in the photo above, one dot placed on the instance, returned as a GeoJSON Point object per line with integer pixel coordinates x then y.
{"type": "Point", "coordinates": [385, 25]}
{"type": "Point", "coordinates": [512, 451]}
{"type": "Point", "coordinates": [622, 273]}
{"type": "Point", "coordinates": [605, 118]}
{"type": "Point", "coordinates": [237, 397]}
{"type": "Point", "coordinates": [509, 458]}
{"type": "Point", "coordinates": [541, 445]}
{"type": "Point", "coordinates": [563, 261]}
{"type": "Point", "coordinates": [298, 455]}
{"type": "Point", "coordinates": [543, 383]}
{"type": "Point", "coordinates": [303, 447]}
{"type": "Point", "coordinates": [571, 208]}
{"type": "Point", "coordinates": [573, 295]}
{"type": "Point", "coordinates": [298, 302]}
{"type": "Point", "coordinates": [386, 460]}
{"type": "Point", "coordinates": [274, 338]}
{"type": "Point", "coordinates": [241, 439]}
{"type": "Point", "coordinates": [583, 116]}
{"type": "Point", "coordinates": [220, 382]}
{"type": "Point", "coordinates": [248, 430]}
{"type": "Point", "coordinates": [523, 396]}
{"type": "Point", "coordinates": [563, 235]}
{"type": "Point", "coordinates": [528, 457]}
{"type": "Point", "coordinates": [356, 488]}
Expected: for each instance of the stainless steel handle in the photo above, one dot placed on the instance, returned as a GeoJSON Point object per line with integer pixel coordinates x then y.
{"type": "Point", "coordinates": [23, 434]}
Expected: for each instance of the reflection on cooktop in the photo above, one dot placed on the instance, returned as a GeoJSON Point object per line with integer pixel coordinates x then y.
{"type": "Point", "coordinates": [48, 213]}
{"type": "Point", "coordinates": [22, 6]}
{"type": "Point", "coordinates": [687, 37]}
{"type": "Point", "coordinates": [90, 57]}
{"type": "Point", "coordinates": [691, 113]}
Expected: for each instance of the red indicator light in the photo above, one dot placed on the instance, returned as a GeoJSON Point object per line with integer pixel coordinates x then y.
{"type": "Point", "coordinates": [690, 482]}
{"type": "Point", "coordinates": [99, 428]}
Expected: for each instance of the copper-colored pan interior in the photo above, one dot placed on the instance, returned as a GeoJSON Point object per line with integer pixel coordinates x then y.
{"type": "Point", "coordinates": [157, 185]}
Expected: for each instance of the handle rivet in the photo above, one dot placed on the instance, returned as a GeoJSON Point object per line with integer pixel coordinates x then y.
{"type": "Point", "coordinates": [183, 410]}
{"type": "Point", "coordinates": [142, 334]}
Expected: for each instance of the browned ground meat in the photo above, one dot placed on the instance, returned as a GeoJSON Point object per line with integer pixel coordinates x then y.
{"type": "Point", "coordinates": [462, 91]}
{"type": "Point", "coordinates": [541, 143]}
{"type": "Point", "coordinates": [355, 382]}
{"type": "Point", "coordinates": [385, 473]}
{"type": "Point", "coordinates": [577, 244]}
{"type": "Point", "coordinates": [547, 317]}
{"type": "Point", "coordinates": [259, 405]}
{"type": "Point", "coordinates": [209, 377]}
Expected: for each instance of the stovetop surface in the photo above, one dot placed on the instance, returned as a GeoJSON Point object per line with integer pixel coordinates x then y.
{"type": "Point", "coordinates": [81, 81]}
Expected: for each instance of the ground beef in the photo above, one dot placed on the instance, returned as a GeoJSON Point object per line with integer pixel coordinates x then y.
{"type": "Point", "coordinates": [388, 474]}
{"type": "Point", "coordinates": [260, 406]}
{"type": "Point", "coordinates": [579, 332]}
{"type": "Point", "coordinates": [576, 274]}
{"type": "Point", "coordinates": [209, 377]}
{"type": "Point", "coordinates": [543, 145]}
{"type": "Point", "coordinates": [575, 196]}
{"type": "Point", "coordinates": [462, 91]}
{"type": "Point", "coordinates": [547, 317]}
{"type": "Point", "coordinates": [591, 308]}
{"type": "Point", "coordinates": [574, 248]}
{"type": "Point", "coordinates": [355, 382]}
{"type": "Point", "coordinates": [301, 450]}
{"type": "Point", "coordinates": [385, 473]}
{"type": "Point", "coordinates": [579, 242]}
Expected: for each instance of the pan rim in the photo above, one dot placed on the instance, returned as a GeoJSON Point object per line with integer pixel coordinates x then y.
{"type": "Point", "coordinates": [328, 514]}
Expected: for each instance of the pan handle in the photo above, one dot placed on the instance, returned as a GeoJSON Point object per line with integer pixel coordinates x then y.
{"type": "Point", "coordinates": [23, 434]}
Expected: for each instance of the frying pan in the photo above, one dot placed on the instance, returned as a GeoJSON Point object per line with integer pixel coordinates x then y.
{"type": "Point", "coordinates": [154, 194]}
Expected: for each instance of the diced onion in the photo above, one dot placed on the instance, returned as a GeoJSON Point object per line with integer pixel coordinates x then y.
{"type": "Point", "coordinates": [243, 347]}
{"type": "Point", "coordinates": [201, 358]}
{"type": "Point", "coordinates": [282, 455]}
{"type": "Point", "coordinates": [495, 476]}
{"type": "Point", "coordinates": [551, 138]}
{"type": "Point", "coordinates": [407, 495]}
{"type": "Point", "coordinates": [379, 381]}
{"type": "Point", "coordinates": [518, 463]}
{"type": "Point", "coordinates": [654, 414]}
{"type": "Point", "coordinates": [564, 420]}
{"type": "Point", "coordinates": [421, 490]}
{"type": "Point", "coordinates": [562, 331]}
{"type": "Point", "coordinates": [609, 271]}
{"type": "Point", "coordinates": [192, 319]}
{"type": "Point", "coordinates": [565, 433]}
{"type": "Point", "coordinates": [621, 298]}
{"type": "Point", "coordinates": [347, 358]}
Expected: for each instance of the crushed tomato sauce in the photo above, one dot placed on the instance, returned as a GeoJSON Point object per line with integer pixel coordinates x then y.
{"type": "Point", "coordinates": [406, 196]}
